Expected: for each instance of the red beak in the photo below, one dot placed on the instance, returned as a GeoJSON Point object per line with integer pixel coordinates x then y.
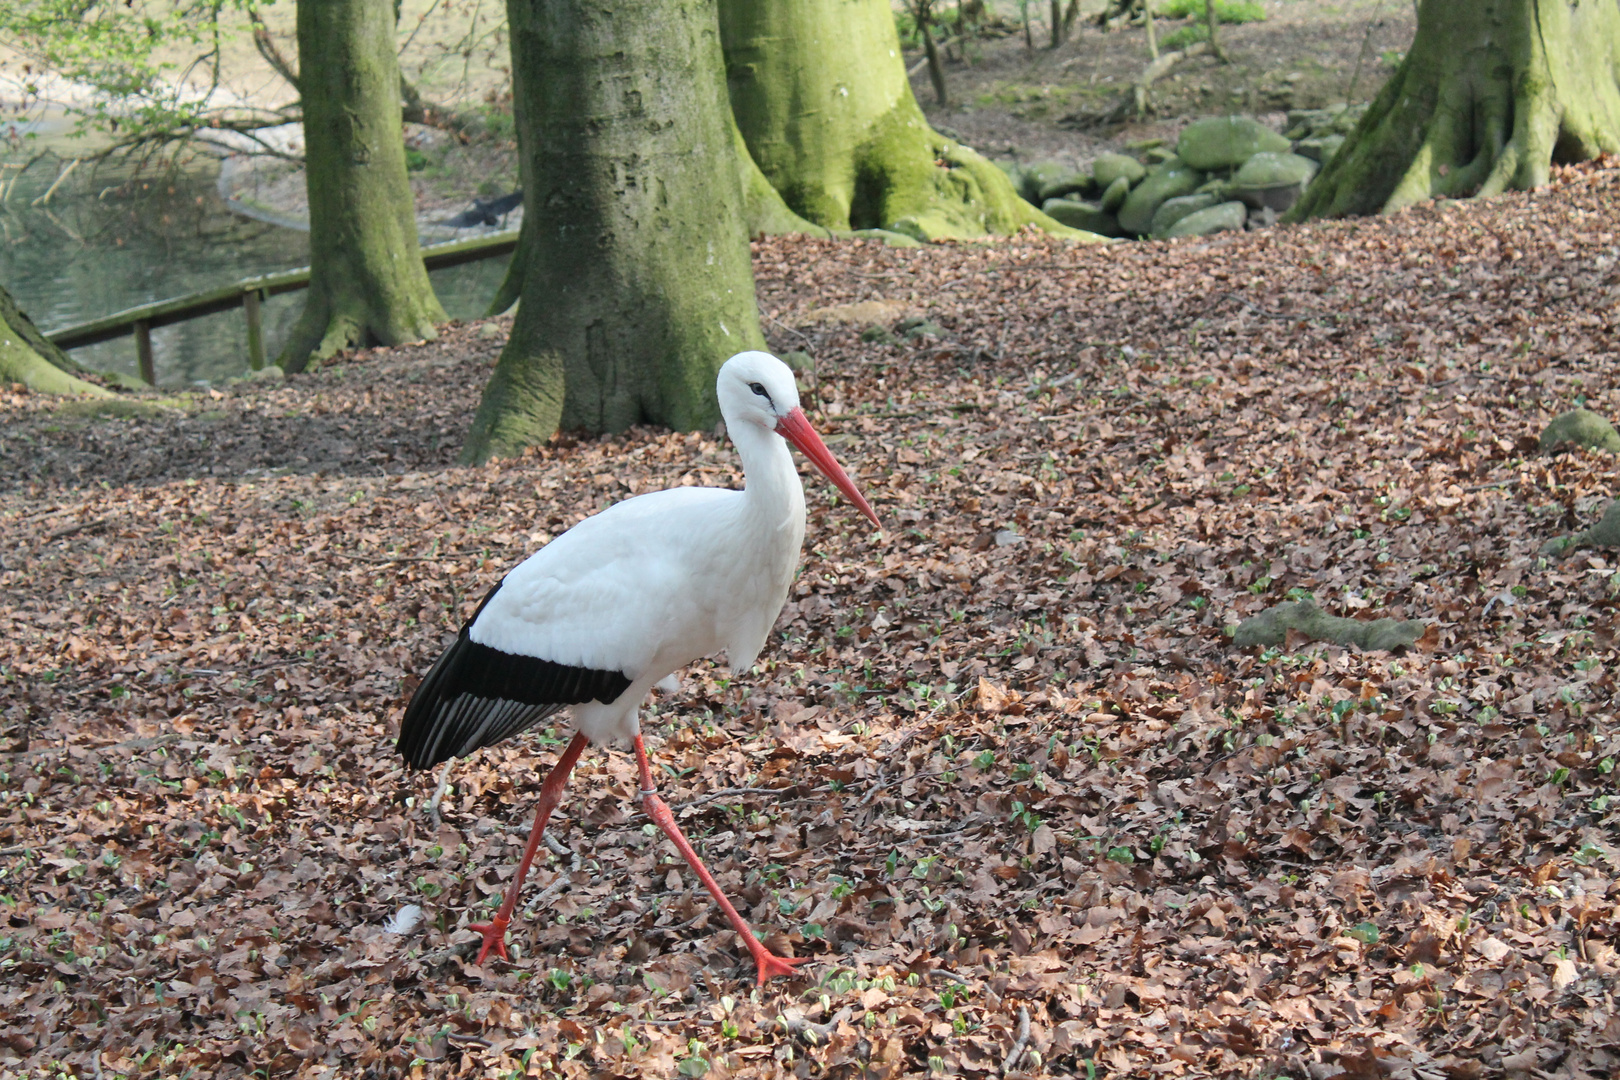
{"type": "Point", "coordinates": [797, 430]}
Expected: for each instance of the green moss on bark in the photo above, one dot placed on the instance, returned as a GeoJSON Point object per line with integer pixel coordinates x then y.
{"type": "Point", "coordinates": [28, 357]}
{"type": "Point", "coordinates": [820, 94]}
{"type": "Point", "coordinates": [1491, 94]}
{"type": "Point", "coordinates": [636, 282]}
{"type": "Point", "coordinates": [367, 283]}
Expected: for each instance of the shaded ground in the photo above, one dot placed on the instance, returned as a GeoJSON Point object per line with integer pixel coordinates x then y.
{"type": "Point", "coordinates": [999, 762]}
{"type": "Point", "coordinates": [1008, 101]}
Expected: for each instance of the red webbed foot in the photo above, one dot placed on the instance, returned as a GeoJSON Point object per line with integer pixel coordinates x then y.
{"type": "Point", "coordinates": [494, 933]}
{"type": "Point", "coordinates": [769, 964]}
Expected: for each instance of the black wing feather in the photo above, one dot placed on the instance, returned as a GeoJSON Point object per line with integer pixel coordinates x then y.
{"type": "Point", "coordinates": [475, 696]}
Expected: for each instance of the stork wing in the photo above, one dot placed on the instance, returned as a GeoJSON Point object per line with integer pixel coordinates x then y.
{"type": "Point", "coordinates": [476, 696]}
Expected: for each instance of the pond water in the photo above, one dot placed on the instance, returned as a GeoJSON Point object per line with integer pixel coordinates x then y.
{"type": "Point", "coordinates": [113, 236]}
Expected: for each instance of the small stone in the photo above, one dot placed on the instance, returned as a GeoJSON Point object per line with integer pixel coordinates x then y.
{"type": "Point", "coordinates": [1224, 217]}
{"type": "Point", "coordinates": [1583, 427]}
{"type": "Point", "coordinates": [1221, 142]}
{"type": "Point", "coordinates": [490, 331]}
{"type": "Point", "coordinates": [919, 326]}
{"type": "Point", "coordinates": [1110, 167]}
{"type": "Point", "coordinates": [893, 239]}
{"type": "Point", "coordinates": [908, 226]}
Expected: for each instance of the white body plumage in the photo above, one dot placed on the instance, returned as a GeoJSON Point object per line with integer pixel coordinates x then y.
{"type": "Point", "coordinates": [624, 599]}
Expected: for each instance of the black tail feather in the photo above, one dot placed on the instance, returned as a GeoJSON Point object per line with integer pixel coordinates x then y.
{"type": "Point", "coordinates": [475, 696]}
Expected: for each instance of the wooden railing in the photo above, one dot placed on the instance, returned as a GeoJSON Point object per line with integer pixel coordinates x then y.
{"type": "Point", "coordinates": [248, 294]}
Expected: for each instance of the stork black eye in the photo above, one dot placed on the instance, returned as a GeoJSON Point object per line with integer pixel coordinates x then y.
{"type": "Point", "coordinates": [760, 390]}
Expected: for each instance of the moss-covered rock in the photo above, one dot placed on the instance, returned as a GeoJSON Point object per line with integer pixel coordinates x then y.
{"type": "Point", "coordinates": [1110, 167]}
{"type": "Point", "coordinates": [1068, 184]}
{"type": "Point", "coordinates": [1113, 196]}
{"type": "Point", "coordinates": [1271, 627]}
{"type": "Point", "coordinates": [1173, 210]}
{"type": "Point", "coordinates": [1272, 180]}
{"type": "Point", "coordinates": [1269, 169]}
{"type": "Point", "coordinates": [1223, 142]}
{"type": "Point", "coordinates": [1077, 214]}
{"type": "Point", "coordinates": [1605, 534]}
{"type": "Point", "coordinates": [1320, 149]}
{"type": "Point", "coordinates": [1583, 427]}
{"type": "Point", "coordinates": [1222, 217]}
{"type": "Point", "coordinates": [1162, 183]}
{"type": "Point", "coordinates": [1034, 177]}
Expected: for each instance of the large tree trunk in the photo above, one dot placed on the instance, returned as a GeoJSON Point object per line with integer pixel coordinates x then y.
{"type": "Point", "coordinates": [367, 281]}
{"type": "Point", "coordinates": [1490, 95]}
{"type": "Point", "coordinates": [764, 214]}
{"type": "Point", "coordinates": [819, 90]}
{"type": "Point", "coordinates": [636, 281]}
{"type": "Point", "coordinates": [28, 357]}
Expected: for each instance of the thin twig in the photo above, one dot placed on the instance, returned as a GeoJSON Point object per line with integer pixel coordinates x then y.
{"type": "Point", "coordinates": [558, 885]}
{"type": "Point", "coordinates": [440, 792]}
{"type": "Point", "coordinates": [78, 527]}
{"type": "Point", "coordinates": [136, 744]}
{"type": "Point", "coordinates": [1258, 310]}
{"type": "Point", "coordinates": [1019, 1041]}
{"type": "Point", "coordinates": [728, 792]}
{"type": "Point", "coordinates": [408, 558]}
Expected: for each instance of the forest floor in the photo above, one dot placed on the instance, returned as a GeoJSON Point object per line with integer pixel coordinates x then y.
{"type": "Point", "coordinates": [1001, 773]}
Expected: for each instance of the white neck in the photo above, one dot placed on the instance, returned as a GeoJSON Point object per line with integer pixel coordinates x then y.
{"type": "Point", "coordinates": [773, 492]}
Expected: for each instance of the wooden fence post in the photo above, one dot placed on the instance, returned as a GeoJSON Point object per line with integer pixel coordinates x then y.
{"type": "Point", "coordinates": [143, 351]}
{"type": "Point", "coordinates": [255, 329]}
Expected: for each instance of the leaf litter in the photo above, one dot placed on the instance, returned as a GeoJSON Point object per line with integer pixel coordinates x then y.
{"type": "Point", "coordinates": [1002, 771]}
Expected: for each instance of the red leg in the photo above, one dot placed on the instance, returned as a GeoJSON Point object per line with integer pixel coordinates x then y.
{"type": "Point", "coordinates": [765, 962]}
{"type": "Point", "coordinates": [551, 791]}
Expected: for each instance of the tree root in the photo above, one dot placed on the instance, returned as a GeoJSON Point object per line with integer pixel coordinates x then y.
{"type": "Point", "coordinates": [1490, 96]}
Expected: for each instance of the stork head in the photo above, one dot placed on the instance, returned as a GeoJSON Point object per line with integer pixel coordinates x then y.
{"type": "Point", "coordinates": [756, 388]}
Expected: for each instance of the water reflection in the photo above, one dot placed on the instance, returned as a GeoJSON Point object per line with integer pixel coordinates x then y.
{"type": "Point", "coordinates": [113, 236]}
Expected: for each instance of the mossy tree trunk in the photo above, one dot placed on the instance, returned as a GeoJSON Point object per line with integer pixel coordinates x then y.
{"type": "Point", "coordinates": [636, 281]}
{"type": "Point", "coordinates": [28, 357]}
{"type": "Point", "coordinates": [819, 90]}
{"type": "Point", "coordinates": [764, 212]}
{"type": "Point", "coordinates": [367, 285]}
{"type": "Point", "coordinates": [1491, 94]}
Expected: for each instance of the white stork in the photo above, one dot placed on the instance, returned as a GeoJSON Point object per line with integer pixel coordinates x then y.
{"type": "Point", "coordinates": [618, 603]}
